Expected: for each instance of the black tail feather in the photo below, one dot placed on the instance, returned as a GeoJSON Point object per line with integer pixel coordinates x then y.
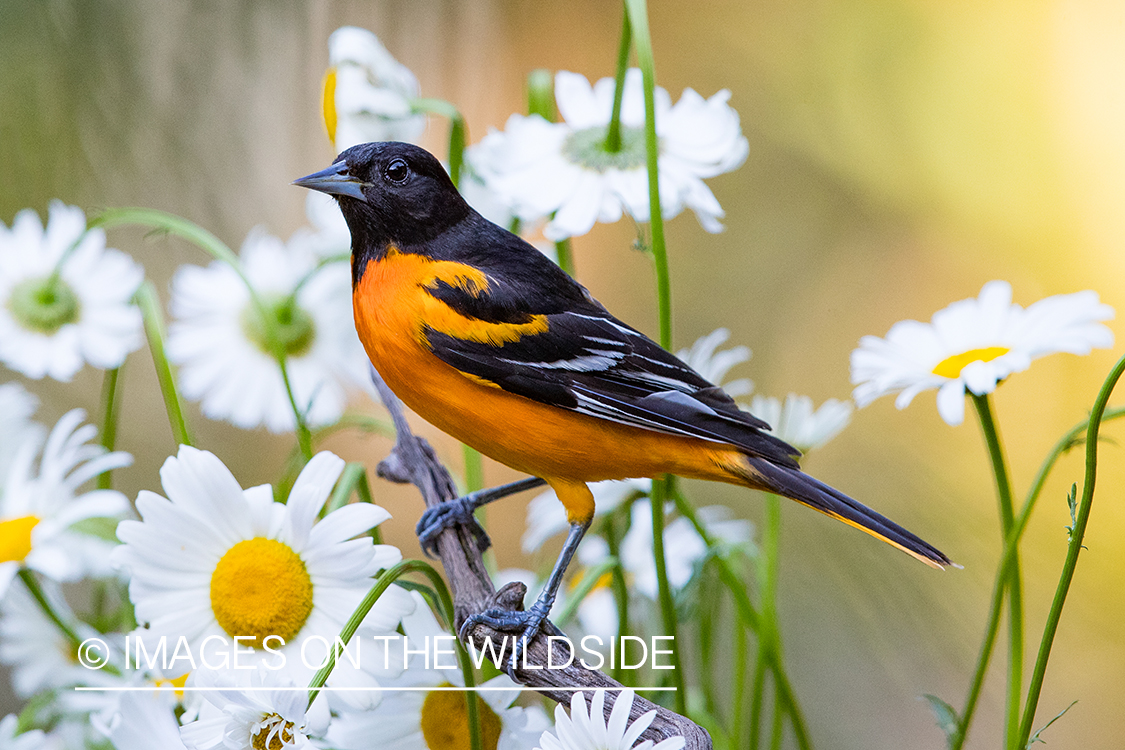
{"type": "Point", "coordinates": [795, 484]}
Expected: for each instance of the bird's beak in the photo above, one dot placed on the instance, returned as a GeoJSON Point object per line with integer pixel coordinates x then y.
{"type": "Point", "coordinates": [335, 181]}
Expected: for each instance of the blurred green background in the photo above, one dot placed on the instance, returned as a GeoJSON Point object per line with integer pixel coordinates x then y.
{"type": "Point", "coordinates": [903, 152]}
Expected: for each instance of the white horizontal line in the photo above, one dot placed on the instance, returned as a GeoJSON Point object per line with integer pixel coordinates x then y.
{"type": "Point", "coordinates": [290, 689]}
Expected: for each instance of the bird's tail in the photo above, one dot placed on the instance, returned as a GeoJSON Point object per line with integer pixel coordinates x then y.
{"type": "Point", "coordinates": [795, 484]}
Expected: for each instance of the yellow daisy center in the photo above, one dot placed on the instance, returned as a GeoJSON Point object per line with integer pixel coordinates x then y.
{"type": "Point", "coordinates": [177, 682]}
{"type": "Point", "coordinates": [15, 538]}
{"type": "Point", "coordinates": [445, 721]}
{"type": "Point", "coordinates": [261, 587]}
{"type": "Point", "coordinates": [951, 367]}
{"type": "Point", "coordinates": [330, 104]}
{"type": "Point", "coordinates": [271, 736]}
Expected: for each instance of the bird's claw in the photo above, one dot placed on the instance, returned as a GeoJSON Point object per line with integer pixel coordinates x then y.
{"type": "Point", "coordinates": [437, 518]}
{"type": "Point", "coordinates": [527, 624]}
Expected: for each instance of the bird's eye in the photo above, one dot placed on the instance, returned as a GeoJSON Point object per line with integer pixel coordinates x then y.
{"type": "Point", "coordinates": [397, 171]}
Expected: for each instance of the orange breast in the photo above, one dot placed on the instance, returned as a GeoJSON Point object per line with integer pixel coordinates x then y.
{"type": "Point", "coordinates": [391, 310]}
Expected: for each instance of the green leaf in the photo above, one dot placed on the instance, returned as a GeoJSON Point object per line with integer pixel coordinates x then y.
{"type": "Point", "coordinates": [1035, 737]}
{"type": "Point", "coordinates": [947, 719]}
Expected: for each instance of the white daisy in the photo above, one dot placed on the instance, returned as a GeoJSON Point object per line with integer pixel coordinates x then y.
{"type": "Point", "coordinates": [32, 647]}
{"type": "Point", "coordinates": [713, 365]}
{"type": "Point", "coordinates": [973, 345]}
{"type": "Point", "coordinates": [547, 517]}
{"type": "Point", "coordinates": [31, 740]}
{"type": "Point", "coordinates": [241, 715]}
{"type": "Point", "coordinates": [50, 323]}
{"type": "Point", "coordinates": [437, 719]}
{"type": "Point", "coordinates": [589, 730]}
{"type": "Point", "coordinates": [328, 234]}
{"type": "Point", "coordinates": [219, 338]}
{"type": "Point", "coordinates": [144, 721]}
{"type": "Point", "coordinates": [798, 424]}
{"type": "Point", "coordinates": [367, 93]}
{"type": "Point", "coordinates": [216, 560]}
{"type": "Point", "coordinates": [562, 169]}
{"type": "Point", "coordinates": [45, 523]}
{"type": "Point", "coordinates": [16, 425]}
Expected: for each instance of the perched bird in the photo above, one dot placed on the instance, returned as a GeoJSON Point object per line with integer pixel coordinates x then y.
{"type": "Point", "coordinates": [484, 337]}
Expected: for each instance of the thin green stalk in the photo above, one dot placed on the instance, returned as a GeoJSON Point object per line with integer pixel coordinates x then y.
{"type": "Point", "coordinates": [40, 597]}
{"type": "Point", "coordinates": [769, 646]}
{"type": "Point", "coordinates": [613, 133]}
{"type": "Point", "coordinates": [363, 490]}
{"type": "Point", "coordinates": [1078, 531]}
{"type": "Point", "coordinates": [163, 221]}
{"type": "Point", "coordinates": [752, 620]}
{"type": "Point", "coordinates": [708, 606]}
{"type": "Point", "coordinates": [777, 731]}
{"type": "Point", "coordinates": [738, 690]}
{"type": "Point", "coordinates": [588, 583]}
{"type": "Point", "coordinates": [1014, 584]}
{"type": "Point", "coordinates": [154, 331]}
{"type": "Point", "coordinates": [345, 486]}
{"type": "Point", "coordinates": [638, 21]}
{"type": "Point", "coordinates": [620, 590]}
{"type": "Point", "coordinates": [757, 695]}
{"type": "Point", "coordinates": [458, 133]}
{"type": "Point", "coordinates": [565, 255]}
{"type": "Point", "coordinates": [382, 583]}
{"type": "Point", "coordinates": [359, 422]}
{"type": "Point", "coordinates": [664, 589]}
{"type": "Point", "coordinates": [541, 95]}
{"type": "Point", "coordinates": [111, 406]}
{"type": "Point", "coordinates": [1064, 444]}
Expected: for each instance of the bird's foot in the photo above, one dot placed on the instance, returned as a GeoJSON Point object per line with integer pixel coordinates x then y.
{"type": "Point", "coordinates": [458, 512]}
{"type": "Point", "coordinates": [526, 625]}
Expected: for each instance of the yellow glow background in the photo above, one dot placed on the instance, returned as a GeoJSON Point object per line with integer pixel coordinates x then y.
{"type": "Point", "coordinates": [903, 152]}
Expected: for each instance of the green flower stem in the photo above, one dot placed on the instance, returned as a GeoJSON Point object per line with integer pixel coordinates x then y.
{"type": "Point", "coordinates": [637, 13]}
{"type": "Point", "coordinates": [751, 619]}
{"type": "Point", "coordinates": [769, 640]}
{"type": "Point", "coordinates": [40, 597]}
{"type": "Point", "coordinates": [585, 586]}
{"type": "Point", "coordinates": [738, 689]}
{"type": "Point", "coordinates": [613, 133]}
{"type": "Point", "coordinates": [620, 589]}
{"type": "Point", "coordinates": [660, 492]}
{"type": "Point", "coordinates": [565, 255]}
{"type": "Point", "coordinates": [353, 474]}
{"type": "Point", "coordinates": [541, 94]}
{"type": "Point", "coordinates": [1014, 584]}
{"type": "Point", "coordinates": [709, 603]}
{"type": "Point", "coordinates": [458, 134]}
{"type": "Point", "coordinates": [163, 221]}
{"type": "Point", "coordinates": [382, 583]}
{"type": "Point", "coordinates": [320, 265]}
{"type": "Point", "coordinates": [154, 330]}
{"type": "Point", "coordinates": [1065, 443]}
{"type": "Point", "coordinates": [360, 422]}
{"type": "Point", "coordinates": [1078, 531]}
{"type": "Point", "coordinates": [110, 408]}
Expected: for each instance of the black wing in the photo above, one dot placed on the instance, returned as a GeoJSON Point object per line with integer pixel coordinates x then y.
{"type": "Point", "coordinates": [589, 362]}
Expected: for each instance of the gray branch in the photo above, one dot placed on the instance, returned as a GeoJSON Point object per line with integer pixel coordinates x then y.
{"type": "Point", "coordinates": [412, 461]}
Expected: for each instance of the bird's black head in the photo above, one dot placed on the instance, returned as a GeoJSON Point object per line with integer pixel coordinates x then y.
{"type": "Point", "coordinates": [390, 193]}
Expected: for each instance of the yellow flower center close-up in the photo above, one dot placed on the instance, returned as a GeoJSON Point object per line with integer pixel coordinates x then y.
{"type": "Point", "coordinates": [15, 538]}
{"type": "Point", "coordinates": [272, 737]}
{"type": "Point", "coordinates": [445, 721]}
{"type": "Point", "coordinates": [259, 588]}
{"type": "Point", "coordinates": [951, 367]}
{"type": "Point", "coordinates": [177, 682]}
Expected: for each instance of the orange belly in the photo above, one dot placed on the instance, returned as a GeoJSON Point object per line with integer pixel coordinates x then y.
{"type": "Point", "coordinates": [556, 444]}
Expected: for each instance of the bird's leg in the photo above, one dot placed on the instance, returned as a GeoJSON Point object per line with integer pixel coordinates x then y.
{"type": "Point", "coordinates": [528, 622]}
{"type": "Point", "coordinates": [460, 511]}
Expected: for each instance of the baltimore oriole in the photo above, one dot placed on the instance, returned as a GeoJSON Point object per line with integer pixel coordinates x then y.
{"type": "Point", "coordinates": [487, 339]}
